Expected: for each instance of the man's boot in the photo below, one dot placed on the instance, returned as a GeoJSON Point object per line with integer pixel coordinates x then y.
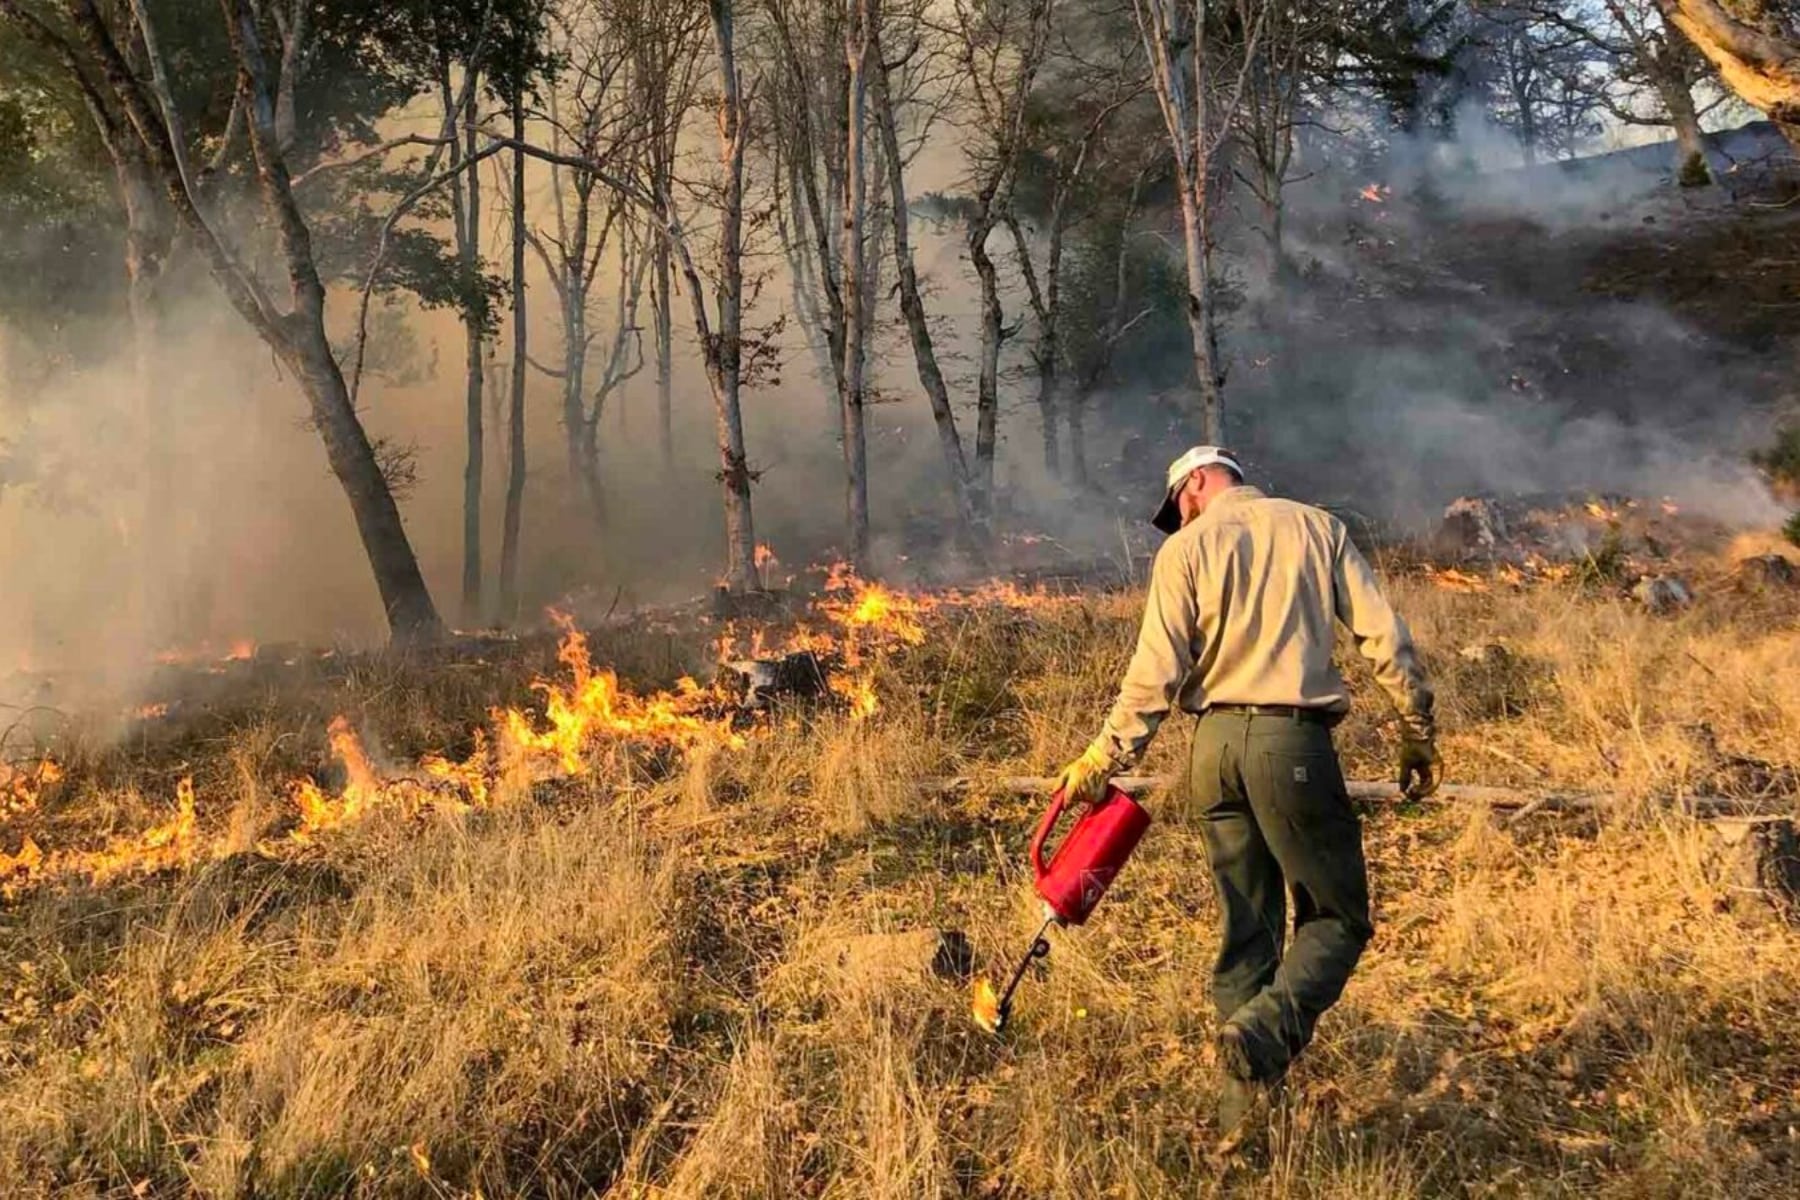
{"type": "Point", "coordinates": [1243, 1099]}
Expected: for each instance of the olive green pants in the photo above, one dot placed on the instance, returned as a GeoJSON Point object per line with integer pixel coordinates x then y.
{"type": "Point", "coordinates": [1277, 818]}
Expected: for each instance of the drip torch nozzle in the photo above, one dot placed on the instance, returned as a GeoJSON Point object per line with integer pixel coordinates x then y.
{"type": "Point", "coordinates": [1040, 947]}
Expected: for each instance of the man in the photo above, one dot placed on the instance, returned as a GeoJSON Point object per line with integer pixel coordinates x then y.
{"type": "Point", "coordinates": [1239, 628]}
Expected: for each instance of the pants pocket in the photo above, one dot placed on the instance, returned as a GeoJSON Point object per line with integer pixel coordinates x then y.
{"type": "Point", "coordinates": [1305, 785]}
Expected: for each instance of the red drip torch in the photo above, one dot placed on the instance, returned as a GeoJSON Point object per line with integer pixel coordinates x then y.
{"type": "Point", "coordinates": [1084, 865]}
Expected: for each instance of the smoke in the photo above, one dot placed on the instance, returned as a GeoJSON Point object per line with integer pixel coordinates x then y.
{"type": "Point", "coordinates": [1461, 324]}
{"type": "Point", "coordinates": [1447, 336]}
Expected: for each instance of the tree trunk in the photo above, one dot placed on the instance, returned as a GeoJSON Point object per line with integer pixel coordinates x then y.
{"type": "Point", "coordinates": [1076, 412]}
{"type": "Point", "coordinates": [468, 233]}
{"type": "Point", "coordinates": [584, 477]}
{"type": "Point", "coordinates": [1210, 383]}
{"type": "Point", "coordinates": [410, 613]}
{"type": "Point", "coordinates": [727, 351]}
{"type": "Point", "coordinates": [912, 305]}
{"type": "Point", "coordinates": [1274, 235]}
{"type": "Point", "coordinates": [1759, 63]}
{"type": "Point", "coordinates": [665, 356]}
{"type": "Point", "coordinates": [1178, 63]}
{"type": "Point", "coordinates": [987, 380]}
{"type": "Point", "coordinates": [1691, 169]}
{"type": "Point", "coordinates": [856, 466]}
{"type": "Point", "coordinates": [515, 479]}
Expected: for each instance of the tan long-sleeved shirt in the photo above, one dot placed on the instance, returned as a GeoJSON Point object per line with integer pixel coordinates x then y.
{"type": "Point", "coordinates": [1241, 610]}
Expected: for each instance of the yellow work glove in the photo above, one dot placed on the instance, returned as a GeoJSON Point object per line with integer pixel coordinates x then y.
{"type": "Point", "coordinates": [1421, 766]}
{"type": "Point", "coordinates": [1084, 780]}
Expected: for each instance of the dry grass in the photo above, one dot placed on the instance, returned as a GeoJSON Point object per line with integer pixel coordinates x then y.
{"type": "Point", "coordinates": [713, 983]}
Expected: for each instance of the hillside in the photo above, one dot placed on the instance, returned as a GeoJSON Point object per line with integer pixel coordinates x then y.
{"type": "Point", "coordinates": [656, 958]}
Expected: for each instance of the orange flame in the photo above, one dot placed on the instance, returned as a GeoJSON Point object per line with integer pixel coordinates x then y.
{"type": "Point", "coordinates": [859, 693]}
{"type": "Point", "coordinates": [1451, 579]}
{"type": "Point", "coordinates": [986, 1005]}
{"type": "Point", "coordinates": [170, 844]}
{"type": "Point", "coordinates": [21, 789]}
{"type": "Point", "coordinates": [173, 843]}
{"type": "Point", "coordinates": [588, 709]}
{"type": "Point", "coordinates": [363, 792]}
{"type": "Point", "coordinates": [594, 705]}
{"type": "Point", "coordinates": [471, 774]}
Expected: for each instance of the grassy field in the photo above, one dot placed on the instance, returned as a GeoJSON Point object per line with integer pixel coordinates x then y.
{"type": "Point", "coordinates": [699, 970]}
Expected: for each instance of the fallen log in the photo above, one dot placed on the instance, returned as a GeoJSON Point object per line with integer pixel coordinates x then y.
{"type": "Point", "coordinates": [1500, 798]}
{"type": "Point", "coordinates": [1754, 854]}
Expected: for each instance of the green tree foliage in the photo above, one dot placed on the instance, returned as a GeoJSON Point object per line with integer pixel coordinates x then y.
{"type": "Point", "coordinates": [59, 260]}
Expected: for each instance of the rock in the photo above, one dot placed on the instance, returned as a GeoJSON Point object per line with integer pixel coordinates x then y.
{"type": "Point", "coordinates": [1485, 654]}
{"type": "Point", "coordinates": [1471, 525]}
{"type": "Point", "coordinates": [1767, 572]}
{"type": "Point", "coordinates": [1755, 862]}
{"type": "Point", "coordinates": [759, 682]}
{"type": "Point", "coordinates": [1662, 594]}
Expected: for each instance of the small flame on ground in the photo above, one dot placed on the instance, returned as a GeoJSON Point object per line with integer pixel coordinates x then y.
{"type": "Point", "coordinates": [172, 843]}
{"type": "Point", "coordinates": [363, 789]}
{"type": "Point", "coordinates": [1376, 193]}
{"type": "Point", "coordinates": [985, 1005]}
{"type": "Point", "coordinates": [595, 704]}
{"type": "Point", "coordinates": [859, 694]}
{"type": "Point", "coordinates": [150, 712]}
{"type": "Point", "coordinates": [22, 788]}
{"type": "Point", "coordinates": [1451, 579]}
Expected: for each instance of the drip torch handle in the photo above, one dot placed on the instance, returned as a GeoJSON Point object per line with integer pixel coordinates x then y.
{"type": "Point", "coordinates": [1046, 823]}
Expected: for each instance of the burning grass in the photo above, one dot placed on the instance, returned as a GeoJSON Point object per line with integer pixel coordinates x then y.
{"type": "Point", "coordinates": [619, 952]}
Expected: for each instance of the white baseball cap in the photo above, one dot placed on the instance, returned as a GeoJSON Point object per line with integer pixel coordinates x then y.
{"type": "Point", "coordinates": [1168, 516]}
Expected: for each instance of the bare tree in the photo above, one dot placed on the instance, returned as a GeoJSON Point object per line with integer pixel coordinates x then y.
{"type": "Point", "coordinates": [663, 40]}
{"type": "Point", "coordinates": [1645, 55]}
{"type": "Point", "coordinates": [1118, 321]}
{"type": "Point", "coordinates": [1269, 121]}
{"type": "Point", "coordinates": [1755, 45]}
{"type": "Point", "coordinates": [1200, 60]}
{"type": "Point", "coordinates": [1085, 85]}
{"type": "Point", "coordinates": [1000, 44]}
{"type": "Point", "coordinates": [457, 52]}
{"type": "Point", "coordinates": [912, 303]}
{"type": "Point", "coordinates": [817, 101]}
{"type": "Point", "coordinates": [1543, 79]}
{"type": "Point", "coordinates": [723, 350]}
{"type": "Point", "coordinates": [465, 217]}
{"type": "Point", "coordinates": [858, 39]}
{"type": "Point", "coordinates": [508, 612]}
{"type": "Point", "coordinates": [593, 112]}
{"type": "Point", "coordinates": [96, 58]}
